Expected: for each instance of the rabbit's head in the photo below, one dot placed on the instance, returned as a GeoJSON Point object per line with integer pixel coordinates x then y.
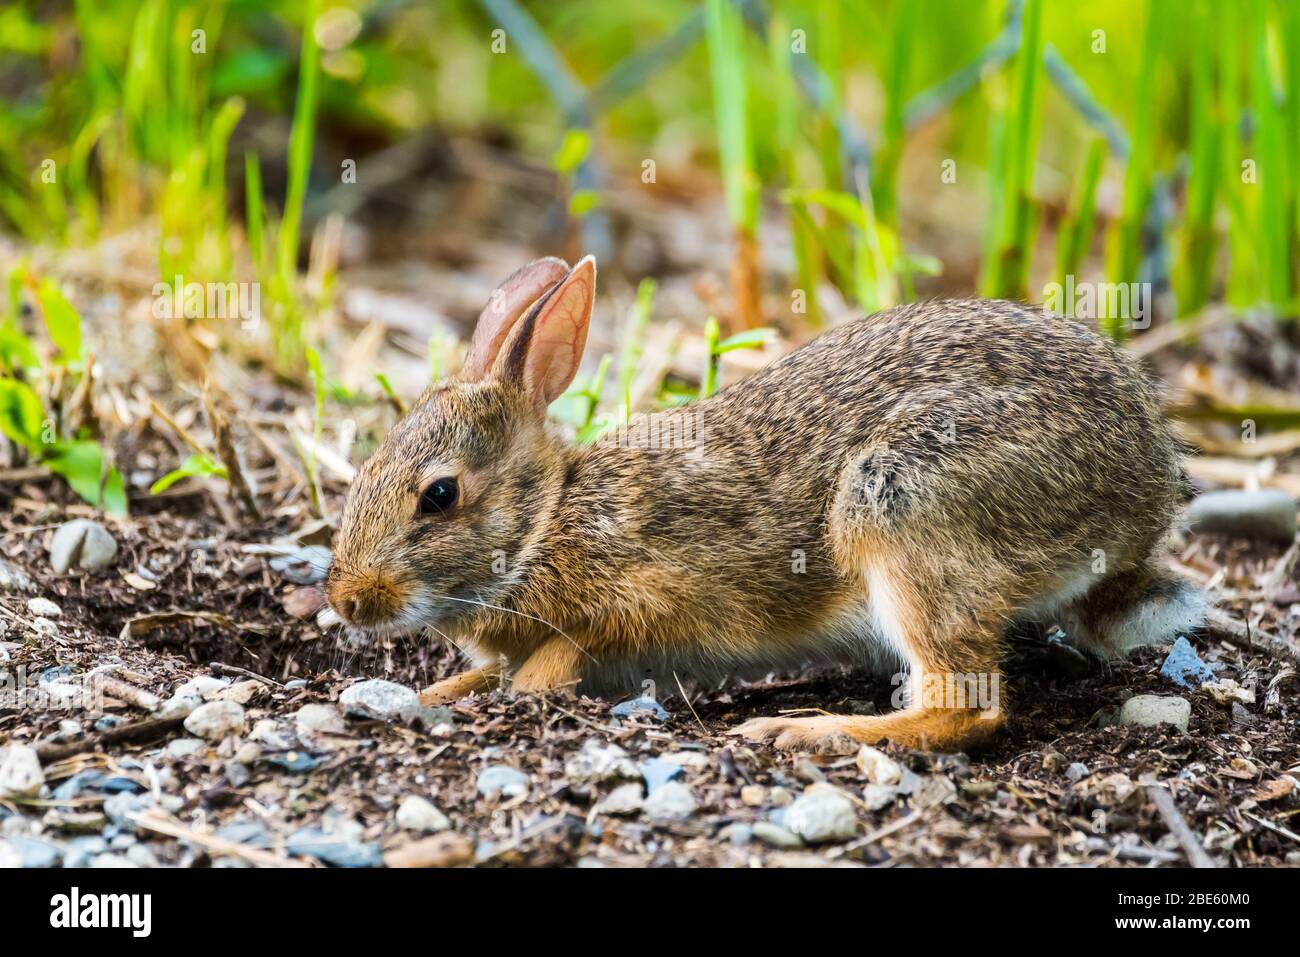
{"type": "Point", "coordinates": [439, 520]}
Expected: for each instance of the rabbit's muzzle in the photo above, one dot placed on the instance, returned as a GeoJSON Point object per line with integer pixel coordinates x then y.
{"type": "Point", "coordinates": [365, 598]}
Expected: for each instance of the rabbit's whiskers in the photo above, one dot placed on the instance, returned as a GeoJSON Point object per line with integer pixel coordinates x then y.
{"type": "Point", "coordinates": [511, 611]}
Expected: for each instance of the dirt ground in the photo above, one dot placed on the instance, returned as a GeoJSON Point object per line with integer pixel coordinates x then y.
{"type": "Point", "coordinates": [1063, 785]}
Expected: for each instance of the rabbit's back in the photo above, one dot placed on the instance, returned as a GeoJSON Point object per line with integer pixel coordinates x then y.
{"type": "Point", "coordinates": [966, 413]}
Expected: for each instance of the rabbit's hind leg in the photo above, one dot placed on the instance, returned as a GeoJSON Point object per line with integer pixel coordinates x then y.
{"type": "Point", "coordinates": [939, 600]}
{"type": "Point", "coordinates": [951, 638]}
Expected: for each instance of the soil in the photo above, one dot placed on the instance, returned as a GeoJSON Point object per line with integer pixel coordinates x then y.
{"type": "Point", "coordinates": [1063, 784]}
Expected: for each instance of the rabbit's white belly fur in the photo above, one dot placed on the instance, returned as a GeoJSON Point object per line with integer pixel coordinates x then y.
{"type": "Point", "coordinates": [854, 638]}
{"type": "Point", "coordinates": [1074, 585]}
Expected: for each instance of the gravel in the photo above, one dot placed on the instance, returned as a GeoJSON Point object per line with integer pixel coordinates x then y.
{"type": "Point", "coordinates": [380, 700]}
{"type": "Point", "coordinates": [43, 607]}
{"type": "Point", "coordinates": [597, 761]}
{"type": "Point", "coordinates": [502, 779]}
{"type": "Point", "coordinates": [776, 836]}
{"type": "Point", "coordinates": [333, 849]}
{"type": "Point", "coordinates": [20, 772]}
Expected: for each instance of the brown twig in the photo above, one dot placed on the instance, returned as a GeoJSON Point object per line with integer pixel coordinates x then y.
{"type": "Point", "coordinates": [135, 731]}
{"type": "Point", "coordinates": [236, 670]}
{"type": "Point", "coordinates": [1178, 827]}
{"type": "Point", "coordinates": [1223, 627]}
{"type": "Point", "coordinates": [154, 820]}
{"type": "Point", "coordinates": [687, 699]}
{"type": "Point", "coordinates": [1275, 828]}
{"type": "Point", "coordinates": [241, 485]}
{"type": "Point", "coordinates": [877, 834]}
{"type": "Point", "coordinates": [144, 700]}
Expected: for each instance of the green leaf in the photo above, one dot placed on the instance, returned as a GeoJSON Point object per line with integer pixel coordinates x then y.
{"type": "Point", "coordinates": [749, 339]}
{"type": "Point", "coordinates": [574, 148]}
{"type": "Point", "coordinates": [709, 381]}
{"type": "Point", "coordinates": [390, 392]}
{"type": "Point", "coordinates": [845, 205]}
{"type": "Point", "coordinates": [582, 202]}
{"type": "Point", "coordinates": [61, 321]}
{"type": "Point", "coordinates": [16, 350]}
{"type": "Point", "coordinates": [81, 464]}
{"type": "Point", "coordinates": [596, 427]}
{"type": "Point", "coordinates": [728, 72]}
{"type": "Point", "coordinates": [250, 73]}
{"type": "Point", "coordinates": [194, 465]}
{"type": "Point", "coordinates": [21, 414]}
{"type": "Point", "coordinates": [923, 264]}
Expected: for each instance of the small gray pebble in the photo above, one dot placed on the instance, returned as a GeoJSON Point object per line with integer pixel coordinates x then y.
{"type": "Point", "coordinates": [777, 836]}
{"type": "Point", "coordinates": [499, 778]}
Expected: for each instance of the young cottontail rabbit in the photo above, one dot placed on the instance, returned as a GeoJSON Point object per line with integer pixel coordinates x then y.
{"type": "Point", "coordinates": [899, 490]}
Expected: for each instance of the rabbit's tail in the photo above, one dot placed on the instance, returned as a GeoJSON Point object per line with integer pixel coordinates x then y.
{"type": "Point", "coordinates": [1129, 609]}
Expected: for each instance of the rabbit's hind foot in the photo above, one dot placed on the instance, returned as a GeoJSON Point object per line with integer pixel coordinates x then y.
{"type": "Point", "coordinates": [930, 729]}
{"type": "Point", "coordinates": [950, 639]}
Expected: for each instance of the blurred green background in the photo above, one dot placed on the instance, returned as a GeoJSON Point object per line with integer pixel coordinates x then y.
{"type": "Point", "coordinates": [1174, 162]}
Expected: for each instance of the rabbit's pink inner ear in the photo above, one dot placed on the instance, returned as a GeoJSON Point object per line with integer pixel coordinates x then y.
{"type": "Point", "coordinates": [506, 305]}
{"type": "Point", "coordinates": [559, 334]}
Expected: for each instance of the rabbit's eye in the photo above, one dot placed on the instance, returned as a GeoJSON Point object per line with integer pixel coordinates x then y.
{"type": "Point", "coordinates": [439, 497]}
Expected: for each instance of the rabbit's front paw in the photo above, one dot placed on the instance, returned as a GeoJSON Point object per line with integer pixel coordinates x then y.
{"type": "Point", "coordinates": [474, 681]}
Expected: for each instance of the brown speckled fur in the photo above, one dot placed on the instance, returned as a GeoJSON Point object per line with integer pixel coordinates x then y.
{"type": "Point", "coordinates": [896, 491]}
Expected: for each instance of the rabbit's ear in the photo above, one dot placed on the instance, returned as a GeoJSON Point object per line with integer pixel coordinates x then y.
{"type": "Point", "coordinates": [545, 349]}
{"type": "Point", "coordinates": [508, 302]}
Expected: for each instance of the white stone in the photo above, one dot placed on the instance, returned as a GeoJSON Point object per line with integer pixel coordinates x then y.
{"type": "Point", "coordinates": [598, 761]}
{"type": "Point", "coordinates": [777, 836]}
{"type": "Point", "coordinates": [43, 607]}
{"type": "Point", "coordinates": [1149, 710]}
{"type": "Point", "coordinates": [203, 686]}
{"type": "Point", "coordinates": [877, 796]}
{"type": "Point", "coordinates": [84, 543]}
{"type": "Point", "coordinates": [669, 802]}
{"type": "Point", "coordinates": [878, 767]}
{"type": "Point", "coordinates": [499, 778]}
{"type": "Point", "coordinates": [624, 799]}
{"type": "Point", "coordinates": [20, 772]}
{"type": "Point", "coordinates": [417, 814]}
{"type": "Point", "coordinates": [821, 815]}
{"type": "Point", "coordinates": [215, 720]}
{"type": "Point", "coordinates": [320, 719]}
{"type": "Point", "coordinates": [376, 698]}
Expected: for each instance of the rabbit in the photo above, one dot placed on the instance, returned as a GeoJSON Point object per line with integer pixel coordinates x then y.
{"type": "Point", "coordinates": [899, 491]}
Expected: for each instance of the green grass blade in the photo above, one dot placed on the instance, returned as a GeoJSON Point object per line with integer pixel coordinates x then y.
{"type": "Point", "coordinates": [1007, 258]}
